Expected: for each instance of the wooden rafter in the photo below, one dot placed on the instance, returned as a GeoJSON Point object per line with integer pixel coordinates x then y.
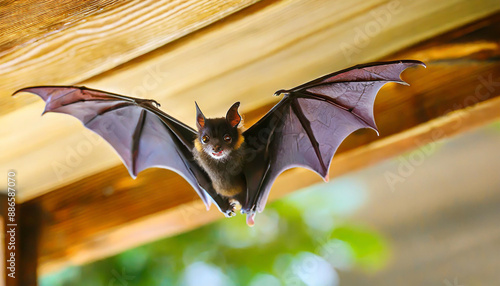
{"type": "Point", "coordinates": [161, 203]}
{"type": "Point", "coordinates": [238, 59]}
{"type": "Point", "coordinates": [82, 217]}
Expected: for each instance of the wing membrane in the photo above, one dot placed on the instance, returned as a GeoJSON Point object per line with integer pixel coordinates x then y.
{"type": "Point", "coordinates": [143, 135]}
{"type": "Point", "coordinates": [307, 126]}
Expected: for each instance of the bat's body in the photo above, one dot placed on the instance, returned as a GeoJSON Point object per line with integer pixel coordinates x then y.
{"type": "Point", "coordinates": [219, 148]}
{"type": "Point", "coordinates": [226, 176]}
{"type": "Point", "coordinates": [234, 168]}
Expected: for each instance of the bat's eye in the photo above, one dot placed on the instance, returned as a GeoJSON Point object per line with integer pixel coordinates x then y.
{"type": "Point", "coordinates": [227, 138]}
{"type": "Point", "coordinates": [205, 139]}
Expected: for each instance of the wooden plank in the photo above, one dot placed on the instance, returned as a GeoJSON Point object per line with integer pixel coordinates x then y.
{"type": "Point", "coordinates": [65, 42]}
{"type": "Point", "coordinates": [30, 227]}
{"type": "Point", "coordinates": [160, 203]}
{"type": "Point", "coordinates": [20, 236]}
{"type": "Point", "coordinates": [6, 250]}
{"type": "Point", "coordinates": [225, 61]}
{"type": "Point", "coordinates": [23, 22]}
{"type": "Point", "coordinates": [77, 216]}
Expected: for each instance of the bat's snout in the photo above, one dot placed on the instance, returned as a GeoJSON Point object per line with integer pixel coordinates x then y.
{"type": "Point", "coordinates": [217, 148]}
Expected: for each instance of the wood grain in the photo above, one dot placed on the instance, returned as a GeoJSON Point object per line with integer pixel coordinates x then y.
{"type": "Point", "coordinates": [65, 42]}
{"type": "Point", "coordinates": [160, 203]}
{"type": "Point", "coordinates": [235, 59]}
{"type": "Point", "coordinates": [20, 236]}
{"type": "Point", "coordinates": [91, 216]}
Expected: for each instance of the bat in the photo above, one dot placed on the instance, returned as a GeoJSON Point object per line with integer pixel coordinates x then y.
{"type": "Point", "coordinates": [225, 164]}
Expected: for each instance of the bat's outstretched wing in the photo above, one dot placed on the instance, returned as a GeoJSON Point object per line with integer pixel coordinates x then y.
{"type": "Point", "coordinates": [306, 127]}
{"type": "Point", "coordinates": [143, 135]}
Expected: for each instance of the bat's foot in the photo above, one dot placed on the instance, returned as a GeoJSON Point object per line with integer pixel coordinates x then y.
{"type": "Point", "coordinates": [229, 213]}
{"type": "Point", "coordinates": [226, 207]}
{"type": "Point", "coordinates": [235, 204]}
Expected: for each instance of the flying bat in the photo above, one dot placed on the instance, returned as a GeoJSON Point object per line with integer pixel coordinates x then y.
{"type": "Point", "coordinates": [233, 167]}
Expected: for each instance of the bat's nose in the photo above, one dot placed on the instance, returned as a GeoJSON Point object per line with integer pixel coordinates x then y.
{"type": "Point", "coordinates": [217, 148]}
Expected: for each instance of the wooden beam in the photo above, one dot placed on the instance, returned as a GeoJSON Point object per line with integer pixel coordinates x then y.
{"type": "Point", "coordinates": [20, 237]}
{"type": "Point", "coordinates": [87, 220]}
{"type": "Point", "coordinates": [161, 203]}
{"type": "Point", "coordinates": [30, 227]}
{"type": "Point", "coordinates": [65, 42]}
{"type": "Point", "coordinates": [8, 251]}
{"type": "Point", "coordinates": [235, 59]}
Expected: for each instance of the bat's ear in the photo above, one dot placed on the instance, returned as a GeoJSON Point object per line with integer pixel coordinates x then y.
{"type": "Point", "coordinates": [200, 118]}
{"type": "Point", "coordinates": [232, 115]}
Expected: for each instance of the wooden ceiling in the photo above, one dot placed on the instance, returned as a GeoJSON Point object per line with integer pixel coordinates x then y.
{"type": "Point", "coordinates": [219, 52]}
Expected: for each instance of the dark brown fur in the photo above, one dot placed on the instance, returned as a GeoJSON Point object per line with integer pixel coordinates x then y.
{"type": "Point", "coordinates": [226, 176]}
{"type": "Point", "coordinates": [225, 173]}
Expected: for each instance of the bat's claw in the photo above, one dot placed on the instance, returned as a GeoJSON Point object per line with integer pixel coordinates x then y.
{"type": "Point", "coordinates": [281, 91]}
{"type": "Point", "coordinates": [229, 213]}
{"type": "Point", "coordinates": [234, 206]}
{"type": "Point", "coordinates": [151, 102]}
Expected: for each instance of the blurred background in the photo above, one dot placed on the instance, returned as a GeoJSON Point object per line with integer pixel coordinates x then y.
{"type": "Point", "coordinates": [438, 226]}
{"type": "Point", "coordinates": [417, 205]}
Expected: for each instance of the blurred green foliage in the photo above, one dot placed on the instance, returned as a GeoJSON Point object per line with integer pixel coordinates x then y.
{"type": "Point", "coordinates": [303, 239]}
